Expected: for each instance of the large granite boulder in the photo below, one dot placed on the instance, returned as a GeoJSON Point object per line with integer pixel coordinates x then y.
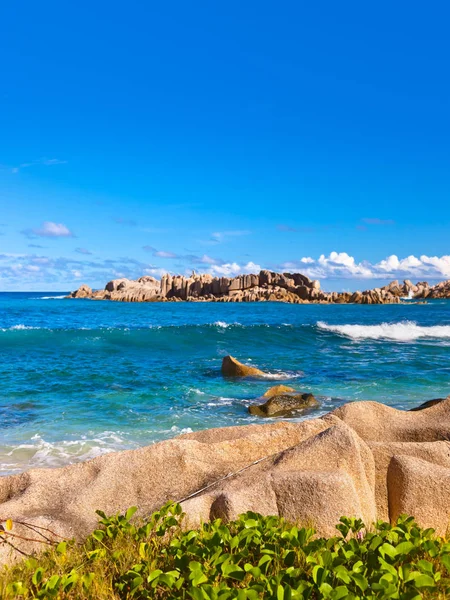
{"type": "Point", "coordinates": [231, 367]}
{"type": "Point", "coordinates": [362, 460]}
{"type": "Point", "coordinates": [283, 404]}
{"type": "Point", "coordinates": [84, 291]}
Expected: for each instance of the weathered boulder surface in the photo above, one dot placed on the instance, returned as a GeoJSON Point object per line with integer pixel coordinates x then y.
{"type": "Point", "coordinates": [418, 487]}
{"type": "Point", "coordinates": [269, 286]}
{"type": "Point", "coordinates": [283, 404]}
{"type": "Point", "coordinates": [427, 404]}
{"type": "Point", "coordinates": [231, 367]}
{"type": "Point", "coordinates": [364, 460]}
{"type": "Point", "coordinates": [84, 291]}
{"type": "Point", "coordinates": [276, 390]}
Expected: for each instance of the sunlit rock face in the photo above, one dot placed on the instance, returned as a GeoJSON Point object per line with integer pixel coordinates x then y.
{"type": "Point", "coordinates": [363, 460]}
{"type": "Point", "coordinates": [293, 288]}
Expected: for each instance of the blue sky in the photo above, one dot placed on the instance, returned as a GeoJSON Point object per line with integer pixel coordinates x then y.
{"type": "Point", "coordinates": [223, 137]}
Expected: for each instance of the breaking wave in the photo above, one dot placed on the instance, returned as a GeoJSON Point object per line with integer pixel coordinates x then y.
{"type": "Point", "coordinates": [19, 327]}
{"type": "Point", "coordinates": [404, 331]}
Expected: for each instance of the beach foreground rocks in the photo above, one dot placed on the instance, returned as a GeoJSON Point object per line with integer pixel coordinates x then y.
{"type": "Point", "coordinates": [363, 460]}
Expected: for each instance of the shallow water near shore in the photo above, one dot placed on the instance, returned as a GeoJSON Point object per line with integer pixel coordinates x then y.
{"type": "Point", "coordinates": [80, 378]}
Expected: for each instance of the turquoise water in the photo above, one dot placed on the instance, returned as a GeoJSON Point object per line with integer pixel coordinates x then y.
{"type": "Point", "coordinates": [79, 378]}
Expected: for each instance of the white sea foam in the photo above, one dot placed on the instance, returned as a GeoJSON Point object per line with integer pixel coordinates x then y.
{"type": "Point", "coordinates": [221, 324]}
{"type": "Point", "coordinates": [196, 391]}
{"type": "Point", "coordinates": [19, 327]}
{"type": "Point", "coordinates": [221, 401]}
{"type": "Point", "coordinates": [49, 297]}
{"type": "Point", "coordinates": [404, 331]}
{"type": "Point", "coordinates": [225, 325]}
{"type": "Point", "coordinates": [39, 452]}
{"type": "Point", "coordinates": [283, 375]}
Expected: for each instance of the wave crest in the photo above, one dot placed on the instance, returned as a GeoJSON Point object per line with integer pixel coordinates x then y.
{"type": "Point", "coordinates": [403, 331]}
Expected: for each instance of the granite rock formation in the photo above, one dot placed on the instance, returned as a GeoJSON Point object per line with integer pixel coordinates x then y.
{"type": "Point", "coordinates": [266, 286]}
{"type": "Point", "coordinates": [231, 367]}
{"type": "Point", "coordinates": [364, 459]}
{"type": "Point", "coordinates": [283, 403]}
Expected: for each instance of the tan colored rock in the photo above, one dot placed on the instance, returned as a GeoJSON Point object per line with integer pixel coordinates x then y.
{"type": "Point", "coordinates": [433, 452]}
{"type": "Point", "coordinates": [420, 488]}
{"type": "Point", "coordinates": [363, 459]}
{"type": "Point", "coordinates": [427, 404]}
{"type": "Point", "coordinates": [283, 404]}
{"type": "Point", "coordinates": [84, 291]}
{"type": "Point", "coordinates": [375, 422]}
{"type": "Point", "coordinates": [266, 286]}
{"type": "Point", "coordinates": [66, 499]}
{"type": "Point", "coordinates": [231, 367]}
{"type": "Point", "coordinates": [276, 390]}
{"type": "Point", "coordinates": [317, 499]}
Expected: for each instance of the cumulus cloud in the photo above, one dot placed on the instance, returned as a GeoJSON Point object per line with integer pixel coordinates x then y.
{"type": "Point", "coordinates": [83, 251]}
{"type": "Point", "coordinates": [343, 266]}
{"type": "Point", "coordinates": [233, 269]}
{"type": "Point", "coordinates": [33, 271]}
{"type": "Point", "coordinates": [49, 229]}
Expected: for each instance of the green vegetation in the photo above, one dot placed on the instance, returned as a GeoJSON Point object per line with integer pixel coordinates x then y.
{"type": "Point", "coordinates": [251, 558]}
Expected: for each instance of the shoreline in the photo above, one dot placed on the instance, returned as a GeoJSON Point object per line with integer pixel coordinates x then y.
{"type": "Point", "coordinates": [293, 288]}
{"type": "Point", "coordinates": [363, 459]}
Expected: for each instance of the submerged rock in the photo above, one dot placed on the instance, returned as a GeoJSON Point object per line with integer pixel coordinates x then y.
{"type": "Point", "coordinates": [233, 368]}
{"type": "Point", "coordinates": [282, 404]}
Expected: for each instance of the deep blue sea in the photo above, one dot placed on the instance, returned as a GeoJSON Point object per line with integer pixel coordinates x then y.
{"type": "Point", "coordinates": [79, 378]}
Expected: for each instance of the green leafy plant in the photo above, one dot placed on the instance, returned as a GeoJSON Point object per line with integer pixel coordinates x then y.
{"type": "Point", "coordinates": [251, 558]}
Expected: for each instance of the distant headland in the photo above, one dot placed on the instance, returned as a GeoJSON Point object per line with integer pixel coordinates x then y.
{"type": "Point", "coordinates": [293, 288]}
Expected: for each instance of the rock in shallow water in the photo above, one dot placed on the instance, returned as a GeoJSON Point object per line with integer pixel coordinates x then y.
{"type": "Point", "coordinates": [233, 368]}
{"type": "Point", "coordinates": [277, 390]}
{"type": "Point", "coordinates": [283, 404]}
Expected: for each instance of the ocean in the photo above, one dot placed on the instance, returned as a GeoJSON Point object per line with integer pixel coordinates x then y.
{"type": "Point", "coordinates": [80, 378]}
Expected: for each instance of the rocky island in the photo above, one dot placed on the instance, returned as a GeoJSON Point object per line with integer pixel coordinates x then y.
{"type": "Point", "coordinates": [266, 286]}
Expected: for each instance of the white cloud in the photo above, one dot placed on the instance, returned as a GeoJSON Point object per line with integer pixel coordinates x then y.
{"type": "Point", "coordinates": [49, 229]}
{"type": "Point", "coordinates": [343, 265]}
{"type": "Point", "coordinates": [233, 269]}
{"type": "Point", "coordinates": [155, 272]}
